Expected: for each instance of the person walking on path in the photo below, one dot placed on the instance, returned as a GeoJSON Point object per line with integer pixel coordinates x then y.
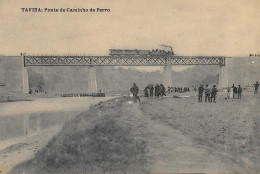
{"type": "Point", "coordinates": [135, 91]}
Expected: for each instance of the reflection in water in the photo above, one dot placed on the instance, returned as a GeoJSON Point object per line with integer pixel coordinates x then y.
{"type": "Point", "coordinates": [19, 125]}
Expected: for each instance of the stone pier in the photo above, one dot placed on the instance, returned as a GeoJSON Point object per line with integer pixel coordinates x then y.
{"type": "Point", "coordinates": [223, 77]}
{"type": "Point", "coordinates": [13, 75]}
{"type": "Point", "coordinates": [25, 80]}
{"type": "Point", "coordinates": [92, 80]}
{"type": "Point", "coordinates": [167, 76]}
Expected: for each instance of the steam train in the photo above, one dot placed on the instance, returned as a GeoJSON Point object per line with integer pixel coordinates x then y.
{"type": "Point", "coordinates": [135, 52]}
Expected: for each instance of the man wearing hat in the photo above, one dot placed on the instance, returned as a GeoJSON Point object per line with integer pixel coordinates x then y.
{"type": "Point", "coordinates": [201, 90]}
{"type": "Point", "coordinates": [207, 94]}
{"type": "Point", "coordinates": [239, 92]}
{"type": "Point", "coordinates": [256, 85]}
{"type": "Point", "coordinates": [214, 93]}
{"type": "Point", "coordinates": [135, 91]}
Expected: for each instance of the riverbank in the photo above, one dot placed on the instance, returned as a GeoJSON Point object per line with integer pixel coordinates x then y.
{"type": "Point", "coordinates": [95, 141]}
{"type": "Point", "coordinates": [17, 150]}
{"type": "Point", "coordinates": [166, 135]}
{"type": "Point", "coordinates": [40, 120]}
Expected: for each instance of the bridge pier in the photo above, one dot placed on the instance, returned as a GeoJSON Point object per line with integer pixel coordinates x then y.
{"type": "Point", "coordinates": [25, 80]}
{"type": "Point", "coordinates": [92, 80]}
{"type": "Point", "coordinates": [223, 77]}
{"type": "Point", "coordinates": [25, 77]}
{"type": "Point", "coordinates": [167, 76]}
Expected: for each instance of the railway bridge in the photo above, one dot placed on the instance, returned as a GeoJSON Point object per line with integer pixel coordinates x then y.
{"type": "Point", "coordinates": [131, 58]}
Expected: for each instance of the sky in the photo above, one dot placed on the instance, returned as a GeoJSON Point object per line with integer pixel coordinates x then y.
{"type": "Point", "coordinates": [192, 27]}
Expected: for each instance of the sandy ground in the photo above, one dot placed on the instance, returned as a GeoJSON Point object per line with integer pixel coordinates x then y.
{"type": "Point", "coordinates": [17, 150]}
{"type": "Point", "coordinates": [169, 151]}
{"type": "Point", "coordinates": [227, 129]}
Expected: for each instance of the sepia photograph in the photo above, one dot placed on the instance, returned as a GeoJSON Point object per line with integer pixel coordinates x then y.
{"type": "Point", "coordinates": [129, 87]}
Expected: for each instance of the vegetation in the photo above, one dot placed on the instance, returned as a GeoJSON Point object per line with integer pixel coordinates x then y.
{"type": "Point", "coordinates": [93, 142]}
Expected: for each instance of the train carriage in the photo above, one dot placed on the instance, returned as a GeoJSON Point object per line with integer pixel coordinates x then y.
{"type": "Point", "coordinates": [120, 52]}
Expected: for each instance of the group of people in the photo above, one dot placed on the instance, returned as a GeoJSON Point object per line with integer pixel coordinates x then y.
{"type": "Point", "coordinates": [234, 92]}
{"type": "Point", "coordinates": [157, 90]}
{"type": "Point", "coordinates": [149, 91]}
{"type": "Point", "coordinates": [210, 94]}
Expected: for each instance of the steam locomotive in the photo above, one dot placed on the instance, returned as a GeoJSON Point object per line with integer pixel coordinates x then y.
{"type": "Point", "coordinates": [156, 52]}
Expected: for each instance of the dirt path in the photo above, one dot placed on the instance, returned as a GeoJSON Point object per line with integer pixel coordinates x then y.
{"type": "Point", "coordinates": [169, 150]}
{"type": "Point", "coordinates": [25, 148]}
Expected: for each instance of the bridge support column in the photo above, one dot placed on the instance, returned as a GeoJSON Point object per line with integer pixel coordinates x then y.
{"type": "Point", "coordinates": [25, 80]}
{"type": "Point", "coordinates": [167, 76]}
{"type": "Point", "coordinates": [92, 80]}
{"type": "Point", "coordinates": [223, 77]}
{"type": "Point", "coordinates": [25, 77]}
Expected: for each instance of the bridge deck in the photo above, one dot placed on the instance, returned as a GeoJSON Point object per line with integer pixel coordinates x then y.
{"type": "Point", "coordinates": [128, 60]}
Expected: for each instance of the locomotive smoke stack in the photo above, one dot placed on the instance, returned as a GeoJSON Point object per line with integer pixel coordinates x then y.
{"type": "Point", "coordinates": [168, 46]}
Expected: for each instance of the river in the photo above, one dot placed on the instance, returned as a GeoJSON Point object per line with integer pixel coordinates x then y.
{"type": "Point", "coordinates": [24, 117]}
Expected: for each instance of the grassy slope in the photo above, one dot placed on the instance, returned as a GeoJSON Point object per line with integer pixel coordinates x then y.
{"type": "Point", "coordinates": [93, 142]}
{"type": "Point", "coordinates": [227, 126]}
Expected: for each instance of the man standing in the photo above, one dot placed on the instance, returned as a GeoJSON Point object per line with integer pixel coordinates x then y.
{"type": "Point", "coordinates": [214, 93]}
{"type": "Point", "coordinates": [256, 85]}
{"type": "Point", "coordinates": [135, 91]}
{"type": "Point", "coordinates": [146, 91]}
{"type": "Point", "coordinates": [234, 91]}
{"type": "Point", "coordinates": [156, 90]}
{"type": "Point", "coordinates": [201, 90]}
{"type": "Point", "coordinates": [228, 92]}
{"type": "Point", "coordinates": [195, 89]}
{"type": "Point", "coordinates": [207, 94]}
{"type": "Point", "coordinates": [161, 90]}
{"type": "Point", "coordinates": [239, 92]}
{"type": "Point", "coordinates": [231, 91]}
{"type": "Point", "coordinates": [151, 91]}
